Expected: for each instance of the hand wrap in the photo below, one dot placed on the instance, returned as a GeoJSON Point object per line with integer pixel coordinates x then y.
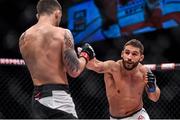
{"type": "Point", "coordinates": [87, 52]}
{"type": "Point", "coordinates": [151, 85]}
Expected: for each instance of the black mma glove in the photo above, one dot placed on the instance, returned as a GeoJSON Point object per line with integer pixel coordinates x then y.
{"type": "Point", "coordinates": [87, 52]}
{"type": "Point", "coordinates": [151, 84]}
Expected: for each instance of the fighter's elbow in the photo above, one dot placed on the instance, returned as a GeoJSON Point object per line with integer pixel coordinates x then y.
{"type": "Point", "coordinates": [154, 99]}
{"type": "Point", "coordinates": [73, 70]}
{"type": "Point", "coordinates": [74, 74]}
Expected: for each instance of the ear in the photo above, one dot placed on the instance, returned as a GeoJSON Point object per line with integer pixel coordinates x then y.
{"type": "Point", "coordinates": [57, 14]}
{"type": "Point", "coordinates": [122, 53]}
{"type": "Point", "coordinates": [37, 16]}
{"type": "Point", "coordinates": [141, 58]}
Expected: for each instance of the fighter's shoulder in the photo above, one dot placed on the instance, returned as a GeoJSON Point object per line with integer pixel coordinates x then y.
{"type": "Point", "coordinates": [113, 65]}
{"type": "Point", "coordinates": [64, 30]}
{"type": "Point", "coordinates": [67, 32]}
{"type": "Point", "coordinates": [111, 62]}
{"type": "Point", "coordinates": [27, 32]}
{"type": "Point", "coordinates": [142, 68]}
{"type": "Point", "coordinates": [23, 36]}
{"type": "Point", "coordinates": [118, 62]}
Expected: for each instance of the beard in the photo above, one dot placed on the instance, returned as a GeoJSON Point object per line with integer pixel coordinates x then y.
{"type": "Point", "coordinates": [129, 65]}
{"type": "Point", "coordinates": [57, 24]}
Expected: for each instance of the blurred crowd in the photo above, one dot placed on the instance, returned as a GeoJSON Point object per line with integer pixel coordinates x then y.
{"type": "Point", "coordinates": [16, 16]}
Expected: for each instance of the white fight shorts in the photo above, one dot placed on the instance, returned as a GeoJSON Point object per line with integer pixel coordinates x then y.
{"type": "Point", "coordinates": [140, 115]}
{"type": "Point", "coordinates": [56, 97]}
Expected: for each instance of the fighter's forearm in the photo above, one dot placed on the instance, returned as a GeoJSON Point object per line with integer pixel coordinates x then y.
{"type": "Point", "coordinates": [81, 65]}
{"type": "Point", "coordinates": [96, 66]}
{"type": "Point", "coordinates": [154, 96]}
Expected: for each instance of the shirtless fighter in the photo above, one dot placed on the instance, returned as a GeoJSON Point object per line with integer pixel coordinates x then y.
{"type": "Point", "coordinates": [125, 82]}
{"type": "Point", "coordinates": [48, 51]}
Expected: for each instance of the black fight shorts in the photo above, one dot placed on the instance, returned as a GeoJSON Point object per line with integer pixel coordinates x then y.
{"type": "Point", "coordinates": [45, 94]}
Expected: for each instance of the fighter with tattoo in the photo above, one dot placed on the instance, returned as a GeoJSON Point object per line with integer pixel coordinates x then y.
{"type": "Point", "coordinates": [48, 51]}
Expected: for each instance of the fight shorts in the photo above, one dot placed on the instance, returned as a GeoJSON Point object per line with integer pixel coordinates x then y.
{"type": "Point", "coordinates": [52, 101]}
{"type": "Point", "coordinates": [138, 115]}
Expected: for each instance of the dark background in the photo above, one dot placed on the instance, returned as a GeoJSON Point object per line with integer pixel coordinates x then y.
{"type": "Point", "coordinates": [16, 17]}
{"type": "Point", "coordinates": [88, 92]}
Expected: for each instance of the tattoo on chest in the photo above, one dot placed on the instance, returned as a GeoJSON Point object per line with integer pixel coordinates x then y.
{"type": "Point", "coordinates": [71, 60]}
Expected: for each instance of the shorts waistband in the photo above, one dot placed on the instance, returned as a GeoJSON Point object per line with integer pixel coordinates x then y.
{"type": "Point", "coordinates": [46, 90]}
{"type": "Point", "coordinates": [52, 87]}
{"type": "Point", "coordinates": [126, 116]}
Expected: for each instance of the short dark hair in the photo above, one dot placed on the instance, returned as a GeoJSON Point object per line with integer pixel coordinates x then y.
{"type": "Point", "coordinates": [47, 6]}
{"type": "Point", "coordinates": [135, 43]}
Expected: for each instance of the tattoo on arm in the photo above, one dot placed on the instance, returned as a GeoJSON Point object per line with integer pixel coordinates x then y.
{"type": "Point", "coordinates": [68, 39]}
{"type": "Point", "coordinates": [71, 60]}
{"type": "Point", "coordinates": [70, 57]}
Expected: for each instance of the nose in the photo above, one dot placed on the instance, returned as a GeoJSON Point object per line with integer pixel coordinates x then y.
{"type": "Point", "coordinates": [129, 56]}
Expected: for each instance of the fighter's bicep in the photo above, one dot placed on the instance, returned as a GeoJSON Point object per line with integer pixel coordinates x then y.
{"type": "Point", "coordinates": [103, 67]}
{"type": "Point", "coordinates": [71, 61]}
{"type": "Point", "coordinates": [68, 40]}
{"type": "Point", "coordinates": [69, 55]}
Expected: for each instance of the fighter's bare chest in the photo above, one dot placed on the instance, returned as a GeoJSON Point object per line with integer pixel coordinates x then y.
{"type": "Point", "coordinates": [128, 80]}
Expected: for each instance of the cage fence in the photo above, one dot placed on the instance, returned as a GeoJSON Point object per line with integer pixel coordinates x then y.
{"type": "Point", "coordinates": [88, 93]}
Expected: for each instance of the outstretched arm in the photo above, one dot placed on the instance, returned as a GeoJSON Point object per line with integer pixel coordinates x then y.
{"type": "Point", "coordinates": [99, 66]}
{"type": "Point", "coordinates": [152, 89]}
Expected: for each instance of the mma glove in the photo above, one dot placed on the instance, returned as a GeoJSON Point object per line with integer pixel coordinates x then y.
{"type": "Point", "coordinates": [87, 52]}
{"type": "Point", "coordinates": [151, 84]}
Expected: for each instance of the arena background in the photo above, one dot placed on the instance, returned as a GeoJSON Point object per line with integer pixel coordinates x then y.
{"type": "Point", "coordinates": [88, 91]}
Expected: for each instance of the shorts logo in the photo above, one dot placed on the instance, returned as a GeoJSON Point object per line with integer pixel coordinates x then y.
{"type": "Point", "coordinates": [37, 96]}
